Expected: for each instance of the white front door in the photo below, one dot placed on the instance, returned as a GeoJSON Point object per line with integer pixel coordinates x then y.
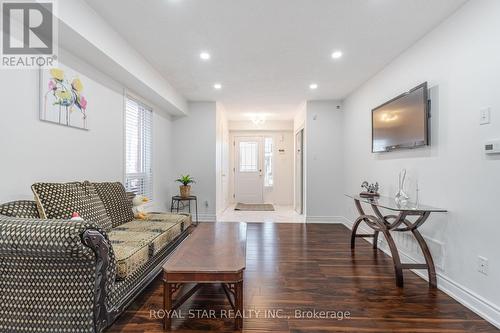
{"type": "Point", "coordinates": [249, 186]}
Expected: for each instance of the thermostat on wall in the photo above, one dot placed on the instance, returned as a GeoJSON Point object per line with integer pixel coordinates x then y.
{"type": "Point", "coordinates": [492, 147]}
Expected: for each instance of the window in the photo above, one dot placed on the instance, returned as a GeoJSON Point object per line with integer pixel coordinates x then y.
{"type": "Point", "coordinates": [268, 162]}
{"type": "Point", "coordinates": [138, 148]}
{"type": "Point", "coordinates": [248, 156]}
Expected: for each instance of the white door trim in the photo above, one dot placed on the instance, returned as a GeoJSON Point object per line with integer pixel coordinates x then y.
{"type": "Point", "coordinates": [299, 173]}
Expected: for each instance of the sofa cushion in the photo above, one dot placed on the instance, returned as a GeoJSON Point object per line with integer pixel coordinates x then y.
{"type": "Point", "coordinates": [165, 232]}
{"type": "Point", "coordinates": [166, 237]}
{"type": "Point", "coordinates": [20, 208]}
{"type": "Point", "coordinates": [145, 226]}
{"type": "Point", "coordinates": [183, 218]}
{"type": "Point", "coordinates": [61, 200]}
{"type": "Point", "coordinates": [130, 256]}
{"type": "Point", "coordinates": [116, 202]}
{"type": "Point", "coordinates": [168, 217]}
{"type": "Point", "coordinates": [132, 250]}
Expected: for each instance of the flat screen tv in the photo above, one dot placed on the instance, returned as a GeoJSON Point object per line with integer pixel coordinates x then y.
{"type": "Point", "coordinates": [402, 122]}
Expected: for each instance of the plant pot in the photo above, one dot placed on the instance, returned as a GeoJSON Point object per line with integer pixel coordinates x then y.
{"type": "Point", "coordinates": [185, 190]}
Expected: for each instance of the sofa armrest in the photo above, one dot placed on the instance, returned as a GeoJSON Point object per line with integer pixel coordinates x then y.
{"type": "Point", "coordinates": [42, 238]}
{"type": "Point", "coordinates": [55, 271]}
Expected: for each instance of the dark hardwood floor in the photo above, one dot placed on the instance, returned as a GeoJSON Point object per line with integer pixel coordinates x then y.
{"type": "Point", "coordinates": [311, 267]}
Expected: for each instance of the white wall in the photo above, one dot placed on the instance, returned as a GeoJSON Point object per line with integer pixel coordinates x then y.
{"type": "Point", "coordinates": [36, 151]}
{"type": "Point", "coordinates": [163, 142]}
{"type": "Point", "coordinates": [194, 153]}
{"type": "Point", "coordinates": [281, 193]}
{"type": "Point", "coordinates": [324, 172]}
{"type": "Point", "coordinates": [299, 121]}
{"type": "Point", "coordinates": [460, 60]}
{"type": "Point", "coordinates": [222, 159]}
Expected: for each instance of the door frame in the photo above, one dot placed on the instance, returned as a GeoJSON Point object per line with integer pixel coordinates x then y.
{"type": "Point", "coordinates": [302, 179]}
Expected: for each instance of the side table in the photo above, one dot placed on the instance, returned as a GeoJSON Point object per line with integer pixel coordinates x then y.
{"type": "Point", "coordinates": [384, 224]}
{"type": "Point", "coordinates": [177, 199]}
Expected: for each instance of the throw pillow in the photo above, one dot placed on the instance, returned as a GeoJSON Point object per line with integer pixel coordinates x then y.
{"type": "Point", "coordinates": [61, 200]}
{"type": "Point", "coordinates": [116, 202]}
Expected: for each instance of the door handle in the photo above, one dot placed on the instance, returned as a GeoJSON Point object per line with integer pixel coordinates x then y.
{"type": "Point", "coordinates": [260, 172]}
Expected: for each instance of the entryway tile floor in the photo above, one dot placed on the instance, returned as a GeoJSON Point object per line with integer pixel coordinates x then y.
{"type": "Point", "coordinates": [281, 214]}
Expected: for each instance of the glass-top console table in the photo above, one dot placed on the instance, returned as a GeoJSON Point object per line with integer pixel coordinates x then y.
{"type": "Point", "coordinates": [396, 222]}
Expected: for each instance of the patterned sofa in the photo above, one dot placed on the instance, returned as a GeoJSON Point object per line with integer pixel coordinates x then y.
{"type": "Point", "coordinates": [63, 275]}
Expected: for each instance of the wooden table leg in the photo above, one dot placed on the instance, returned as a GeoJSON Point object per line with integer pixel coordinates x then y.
{"type": "Point", "coordinates": [375, 240]}
{"type": "Point", "coordinates": [431, 270]}
{"type": "Point", "coordinates": [353, 232]}
{"type": "Point", "coordinates": [238, 324]}
{"type": "Point", "coordinates": [167, 306]}
{"type": "Point", "coordinates": [362, 218]}
{"type": "Point", "coordinates": [380, 223]}
{"type": "Point", "coordinates": [398, 268]}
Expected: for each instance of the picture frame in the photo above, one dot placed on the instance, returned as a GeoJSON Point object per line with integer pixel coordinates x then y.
{"type": "Point", "coordinates": [62, 97]}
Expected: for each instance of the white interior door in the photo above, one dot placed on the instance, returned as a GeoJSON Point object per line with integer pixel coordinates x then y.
{"type": "Point", "coordinates": [249, 180]}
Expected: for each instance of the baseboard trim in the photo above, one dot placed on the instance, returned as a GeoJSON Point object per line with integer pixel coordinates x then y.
{"type": "Point", "coordinates": [461, 294]}
{"type": "Point", "coordinates": [325, 219]}
{"type": "Point", "coordinates": [205, 217]}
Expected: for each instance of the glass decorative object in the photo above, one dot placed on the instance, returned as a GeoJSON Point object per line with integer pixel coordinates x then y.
{"type": "Point", "coordinates": [401, 197]}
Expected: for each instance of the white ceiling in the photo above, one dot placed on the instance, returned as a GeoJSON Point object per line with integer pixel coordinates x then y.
{"type": "Point", "coordinates": [267, 52]}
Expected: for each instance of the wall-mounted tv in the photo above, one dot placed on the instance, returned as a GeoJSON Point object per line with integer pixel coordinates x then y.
{"type": "Point", "coordinates": [402, 122]}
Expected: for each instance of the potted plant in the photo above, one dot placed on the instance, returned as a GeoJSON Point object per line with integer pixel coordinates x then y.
{"type": "Point", "coordinates": [185, 188]}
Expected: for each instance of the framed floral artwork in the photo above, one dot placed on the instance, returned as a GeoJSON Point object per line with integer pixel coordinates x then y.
{"type": "Point", "coordinates": [62, 98]}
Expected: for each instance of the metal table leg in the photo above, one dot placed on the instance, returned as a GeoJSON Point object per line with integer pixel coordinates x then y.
{"type": "Point", "coordinates": [196, 209]}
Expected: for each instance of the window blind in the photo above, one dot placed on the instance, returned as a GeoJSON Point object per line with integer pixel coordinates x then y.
{"type": "Point", "coordinates": [138, 148]}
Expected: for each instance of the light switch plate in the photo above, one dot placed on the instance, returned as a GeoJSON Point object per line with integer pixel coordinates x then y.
{"type": "Point", "coordinates": [485, 115]}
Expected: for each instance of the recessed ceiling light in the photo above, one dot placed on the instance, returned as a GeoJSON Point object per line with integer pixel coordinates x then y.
{"type": "Point", "coordinates": [205, 56]}
{"type": "Point", "coordinates": [218, 86]}
{"type": "Point", "coordinates": [313, 86]}
{"type": "Point", "coordinates": [337, 54]}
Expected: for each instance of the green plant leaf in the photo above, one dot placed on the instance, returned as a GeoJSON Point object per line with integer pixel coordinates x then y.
{"type": "Point", "coordinates": [185, 180]}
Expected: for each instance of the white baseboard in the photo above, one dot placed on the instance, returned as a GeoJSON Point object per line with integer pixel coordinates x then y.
{"type": "Point", "coordinates": [471, 300]}
{"type": "Point", "coordinates": [205, 218]}
{"type": "Point", "coordinates": [325, 219]}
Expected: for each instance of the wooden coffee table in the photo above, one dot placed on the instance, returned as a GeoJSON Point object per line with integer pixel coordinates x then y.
{"type": "Point", "coordinates": [213, 253]}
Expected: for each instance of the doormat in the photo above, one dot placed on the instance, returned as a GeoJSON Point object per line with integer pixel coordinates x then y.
{"type": "Point", "coordinates": [254, 207]}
